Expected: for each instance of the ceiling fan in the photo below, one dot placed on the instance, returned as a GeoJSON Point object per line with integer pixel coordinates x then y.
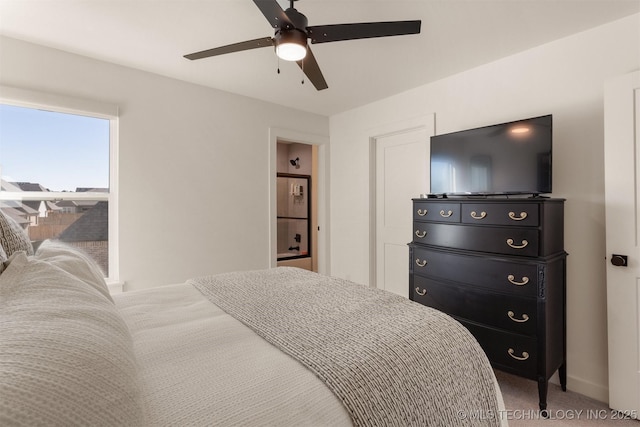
{"type": "Point", "coordinates": [292, 33]}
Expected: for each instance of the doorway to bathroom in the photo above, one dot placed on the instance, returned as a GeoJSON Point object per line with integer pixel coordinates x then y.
{"type": "Point", "coordinates": [296, 205]}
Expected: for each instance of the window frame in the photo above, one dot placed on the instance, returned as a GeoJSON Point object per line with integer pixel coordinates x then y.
{"type": "Point", "coordinates": [90, 108]}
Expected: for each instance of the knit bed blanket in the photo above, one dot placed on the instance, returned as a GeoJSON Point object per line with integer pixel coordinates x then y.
{"type": "Point", "coordinates": [391, 362]}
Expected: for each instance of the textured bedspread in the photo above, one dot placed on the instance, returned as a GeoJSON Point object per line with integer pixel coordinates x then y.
{"type": "Point", "coordinates": [389, 360]}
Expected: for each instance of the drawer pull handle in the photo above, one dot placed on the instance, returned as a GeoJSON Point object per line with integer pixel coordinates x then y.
{"type": "Point", "coordinates": [525, 355]}
{"type": "Point", "coordinates": [511, 278]}
{"type": "Point", "coordinates": [421, 234]}
{"type": "Point", "coordinates": [513, 216]}
{"type": "Point", "coordinates": [474, 215]}
{"type": "Point", "coordinates": [422, 212]}
{"type": "Point", "coordinates": [521, 246]}
{"type": "Point", "coordinates": [446, 214]}
{"type": "Point", "coordinates": [421, 263]}
{"type": "Point", "coordinates": [511, 315]}
{"type": "Point", "coordinates": [423, 293]}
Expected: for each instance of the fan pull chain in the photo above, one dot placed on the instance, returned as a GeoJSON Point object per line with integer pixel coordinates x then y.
{"type": "Point", "coordinates": [302, 68]}
{"type": "Point", "coordinates": [278, 63]}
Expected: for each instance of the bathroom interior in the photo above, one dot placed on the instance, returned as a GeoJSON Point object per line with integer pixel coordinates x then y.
{"type": "Point", "coordinates": [296, 219]}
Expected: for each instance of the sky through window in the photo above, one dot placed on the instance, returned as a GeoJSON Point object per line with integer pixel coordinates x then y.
{"type": "Point", "coordinates": [60, 151]}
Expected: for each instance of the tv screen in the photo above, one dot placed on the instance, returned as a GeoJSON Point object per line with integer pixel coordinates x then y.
{"type": "Point", "coordinates": [507, 158]}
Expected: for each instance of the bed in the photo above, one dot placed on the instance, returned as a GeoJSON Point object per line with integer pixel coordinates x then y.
{"type": "Point", "coordinates": [276, 347]}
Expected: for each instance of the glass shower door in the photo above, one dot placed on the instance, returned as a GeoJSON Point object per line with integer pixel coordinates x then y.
{"type": "Point", "coordinates": [294, 224]}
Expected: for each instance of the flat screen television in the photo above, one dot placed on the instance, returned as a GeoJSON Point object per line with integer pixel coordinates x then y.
{"type": "Point", "coordinates": [502, 159]}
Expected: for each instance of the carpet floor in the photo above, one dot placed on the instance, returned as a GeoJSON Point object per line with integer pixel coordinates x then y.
{"type": "Point", "coordinates": [566, 409]}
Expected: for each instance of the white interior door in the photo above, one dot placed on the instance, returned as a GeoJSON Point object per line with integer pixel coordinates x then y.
{"type": "Point", "coordinates": [622, 199]}
{"type": "Point", "coordinates": [402, 173]}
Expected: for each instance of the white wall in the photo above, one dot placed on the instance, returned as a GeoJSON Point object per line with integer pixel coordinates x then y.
{"type": "Point", "coordinates": [194, 180]}
{"type": "Point", "coordinates": [564, 78]}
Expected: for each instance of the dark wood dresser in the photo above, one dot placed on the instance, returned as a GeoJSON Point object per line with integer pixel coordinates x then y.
{"type": "Point", "coordinates": [498, 266]}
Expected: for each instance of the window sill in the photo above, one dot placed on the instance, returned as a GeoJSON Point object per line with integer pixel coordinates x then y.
{"type": "Point", "coordinates": [115, 287]}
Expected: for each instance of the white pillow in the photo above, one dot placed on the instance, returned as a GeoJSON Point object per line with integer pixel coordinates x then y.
{"type": "Point", "coordinates": [75, 262]}
{"type": "Point", "coordinates": [66, 357]}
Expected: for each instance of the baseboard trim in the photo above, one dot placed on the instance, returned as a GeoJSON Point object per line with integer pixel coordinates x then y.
{"type": "Point", "coordinates": [584, 387]}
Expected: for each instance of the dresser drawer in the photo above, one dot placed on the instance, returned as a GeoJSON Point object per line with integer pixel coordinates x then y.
{"type": "Point", "coordinates": [502, 311]}
{"type": "Point", "coordinates": [512, 352]}
{"type": "Point", "coordinates": [516, 278]}
{"type": "Point", "coordinates": [516, 214]}
{"type": "Point", "coordinates": [501, 240]}
{"type": "Point", "coordinates": [441, 212]}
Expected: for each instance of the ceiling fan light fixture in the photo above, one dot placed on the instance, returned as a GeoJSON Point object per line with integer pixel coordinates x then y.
{"type": "Point", "coordinates": [292, 35]}
{"type": "Point", "coordinates": [291, 51]}
{"type": "Point", "coordinates": [291, 45]}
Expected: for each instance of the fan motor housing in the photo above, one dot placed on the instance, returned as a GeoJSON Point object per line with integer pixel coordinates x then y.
{"type": "Point", "coordinates": [299, 21]}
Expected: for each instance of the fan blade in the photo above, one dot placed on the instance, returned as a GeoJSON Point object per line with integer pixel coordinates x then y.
{"type": "Point", "coordinates": [339, 32]}
{"type": "Point", "coordinates": [274, 13]}
{"type": "Point", "coordinates": [311, 69]}
{"type": "Point", "coordinates": [236, 47]}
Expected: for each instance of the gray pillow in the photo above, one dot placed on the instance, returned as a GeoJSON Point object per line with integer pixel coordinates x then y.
{"type": "Point", "coordinates": [13, 238]}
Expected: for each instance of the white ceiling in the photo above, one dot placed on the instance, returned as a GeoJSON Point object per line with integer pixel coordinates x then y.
{"type": "Point", "coordinates": [153, 35]}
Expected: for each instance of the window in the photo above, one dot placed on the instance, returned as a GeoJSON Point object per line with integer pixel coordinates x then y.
{"type": "Point", "coordinates": [57, 170]}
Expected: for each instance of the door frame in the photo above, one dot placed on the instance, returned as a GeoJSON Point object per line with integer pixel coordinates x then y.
{"type": "Point", "coordinates": [321, 188]}
{"type": "Point", "coordinates": [428, 122]}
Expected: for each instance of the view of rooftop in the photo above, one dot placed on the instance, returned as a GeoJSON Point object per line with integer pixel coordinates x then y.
{"type": "Point", "coordinates": [80, 223]}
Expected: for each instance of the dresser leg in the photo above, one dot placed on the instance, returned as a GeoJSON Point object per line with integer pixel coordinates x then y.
{"type": "Point", "coordinates": [562, 373]}
{"type": "Point", "coordinates": [542, 394]}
